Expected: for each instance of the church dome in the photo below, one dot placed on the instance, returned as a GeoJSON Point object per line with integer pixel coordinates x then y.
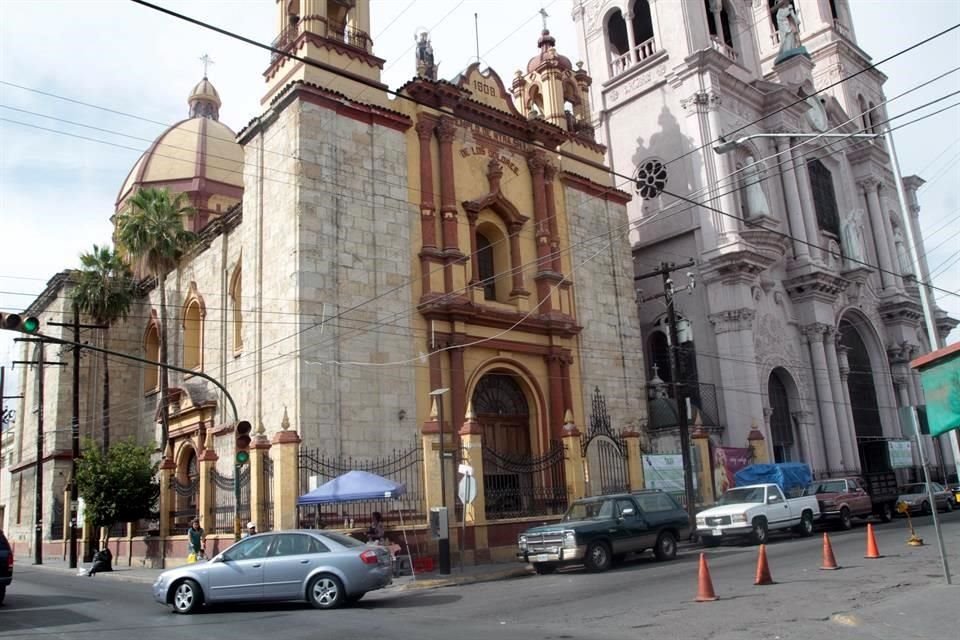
{"type": "Point", "coordinates": [548, 56]}
{"type": "Point", "coordinates": [199, 156]}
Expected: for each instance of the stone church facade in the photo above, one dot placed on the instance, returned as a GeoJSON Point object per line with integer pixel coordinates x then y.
{"type": "Point", "coordinates": [358, 251]}
{"type": "Point", "coordinates": [802, 341]}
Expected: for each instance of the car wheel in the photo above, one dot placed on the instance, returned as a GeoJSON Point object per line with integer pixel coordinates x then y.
{"type": "Point", "coordinates": [846, 520]}
{"type": "Point", "coordinates": [544, 568]}
{"type": "Point", "coordinates": [711, 541]}
{"type": "Point", "coordinates": [925, 508]}
{"type": "Point", "coordinates": [760, 531]}
{"type": "Point", "coordinates": [666, 547]}
{"type": "Point", "coordinates": [598, 557]}
{"type": "Point", "coordinates": [886, 512]}
{"type": "Point", "coordinates": [3, 592]}
{"type": "Point", "coordinates": [805, 528]}
{"type": "Point", "coordinates": [186, 597]}
{"type": "Point", "coordinates": [325, 591]}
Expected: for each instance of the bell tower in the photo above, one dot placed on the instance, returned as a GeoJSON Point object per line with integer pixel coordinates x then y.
{"type": "Point", "coordinates": [332, 32]}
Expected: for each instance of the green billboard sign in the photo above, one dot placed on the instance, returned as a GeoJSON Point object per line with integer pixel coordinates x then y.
{"type": "Point", "coordinates": [941, 388]}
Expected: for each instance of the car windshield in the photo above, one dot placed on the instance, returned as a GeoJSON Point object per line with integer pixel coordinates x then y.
{"type": "Point", "coordinates": [914, 488]}
{"type": "Point", "coordinates": [342, 540]}
{"type": "Point", "coordinates": [745, 494]}
{"type": "Point", "coordinates": [832, 486]}
{"type": "Point", "coordinates": [598, 510]}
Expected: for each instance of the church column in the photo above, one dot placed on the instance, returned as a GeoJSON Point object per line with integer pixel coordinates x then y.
{"type": "Point", "coordinates": [567, 386]}
{"type": "Point", "coordinates": [788, 176]}
{"type": "Point", "coordinates": [557, 409]}
{"type": "Point", "coordinates": [631, 38]}
{"type": "Point", "coordinates": [891, 241]}
{"type": "Point", "coordinates": [723, 198]}
{"type": "Point", "coordinates": [869, 187]}
{"type": "Point", "coordinates": [839, 407]}
{"type": "Point", "coordinates": [806, 203]}
{"type": "Point", "coordinates": [549, 173]}
{"type": "Point", "coordinates": [516, 265]}
{"type": "Point", "coordinates": [425, 128]}
{"type": "Point", "coordinates": [537, 164]}
{"type": "Point", "coordinates": [816, 335]}
{"type": "Point", "coordinates": [458, 400]}
{"type": "Point", "coordinates": [812, 451]}
{"type": "Point", "coordinates": [910, 186]}
{"type": "Point", "coordinates": [844, 364]}
{"type": "Point", "coordinates": [737, 360]}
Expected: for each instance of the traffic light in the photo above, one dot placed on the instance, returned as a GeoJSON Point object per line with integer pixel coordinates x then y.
{"type": "Point", "coordinates": [242, 442]}
{"type": "Point", "coordinates": [15, 322]}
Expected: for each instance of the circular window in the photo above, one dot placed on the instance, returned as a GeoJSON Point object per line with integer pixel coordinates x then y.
{"type": "Point", "coordinates": [651, 178]}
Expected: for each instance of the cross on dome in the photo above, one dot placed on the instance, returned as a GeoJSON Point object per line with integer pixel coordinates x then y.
{"type": "Point", "coordinates": [207, 61]}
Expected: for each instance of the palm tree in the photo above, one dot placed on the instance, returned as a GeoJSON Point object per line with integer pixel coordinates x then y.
{"type": "Point", "coordinates": [151, 234]}
{"type": "Point", "coordinates": [104, 292]}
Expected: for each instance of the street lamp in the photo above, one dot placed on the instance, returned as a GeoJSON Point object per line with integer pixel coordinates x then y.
{"type": "Point", "coordinates": [444, 542]}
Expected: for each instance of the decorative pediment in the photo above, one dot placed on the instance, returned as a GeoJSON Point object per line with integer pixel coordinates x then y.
{"type": "Point", "coordinates": [487, 88]}
{"type": "Point", "coordinates": [495, 200]}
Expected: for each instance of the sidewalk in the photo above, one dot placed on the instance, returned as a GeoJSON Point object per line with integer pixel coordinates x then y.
{"type": "Point", "coordinates": [432, 580]}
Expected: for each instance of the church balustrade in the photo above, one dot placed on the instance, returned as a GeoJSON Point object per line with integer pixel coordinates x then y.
{"type": "Point", "coordinates": [723, 48]}
{"type": "Point", "coordinates": [324, 27]}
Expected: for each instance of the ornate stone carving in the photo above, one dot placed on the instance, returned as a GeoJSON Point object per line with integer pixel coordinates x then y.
{"type": "Point", "coordinates": [816, 331]}
{"type": "Point", "coordinates": [425, 128]}
{"type": "Point", "coordinates": [733, 320]}
{"type": "Point", "coordinates": [446, 130]}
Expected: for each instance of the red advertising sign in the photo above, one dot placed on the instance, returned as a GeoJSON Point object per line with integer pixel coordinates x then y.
{"type": "Point", "coordinates": [726, 462]}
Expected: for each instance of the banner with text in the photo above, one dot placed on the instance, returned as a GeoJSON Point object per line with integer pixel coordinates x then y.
{"type": "Point", "coordinates": [665, 471]}
{"type": "Point", "coordinates": [726, 462]}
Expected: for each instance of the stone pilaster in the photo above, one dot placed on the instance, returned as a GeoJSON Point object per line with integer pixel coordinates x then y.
{"type": "Point", "coordinates": [471, 443]}
{"type": "Point", "coordinates": [167, 500]}
{"type": "Point", "coordinates": [549, 173]}
{"type": "Point", "coordinates": [791, 191]}
{"type": "Point", "coordinates": [847, 446]}
{"type": "Point", "coordinates": [573, 462]}
{"type": "Point", "coordinates": [812, 451]}
{"type": "Point", "coordinates": [285, 453]}
{"type": "Point", "coordinates": [806, 202]}
{"type": "Point", "coordinates": [634, 459]}
{"type": "Point", "coordinates": [738, 369]}
{"type": "Point", "coordinates": [758, 445]}
{"type": "Point", "coordinates": [430, 437]}
{"type": "Point", "coordinates": [208, 464]}
{"type": "Point", "coordinates": [701, 443]}
{"type": "Point", "coordinates": [844, 367]}
{"type": "Point", "coordinates": [259, 450]}
{"type": "Point", "coordinates": [815, 335]}
{"type": "Point", "coordinates": [869, 187]}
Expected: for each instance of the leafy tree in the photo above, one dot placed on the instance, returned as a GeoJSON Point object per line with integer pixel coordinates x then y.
{"type": "Point", "coordinates": [104, 292]}
{"type": "Point", "coordinates": [117, 485]}
{"type": "Point", "coordinates": [150, 233]}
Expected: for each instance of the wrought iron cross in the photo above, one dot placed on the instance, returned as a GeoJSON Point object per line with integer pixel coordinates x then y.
{"type": "Point", "coordinates": [545, 15]}
{"type": "Point", "coordinates": [207, 61]}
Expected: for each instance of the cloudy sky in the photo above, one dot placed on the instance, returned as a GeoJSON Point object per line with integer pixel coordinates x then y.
{"type": "Point", "coordinates": [59, 180]}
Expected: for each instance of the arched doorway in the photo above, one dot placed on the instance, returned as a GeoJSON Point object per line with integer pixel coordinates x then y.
{"type": "Point", "coordinates": [863, 399]}
{"type": "Point", "coordinates": [502, 411]}
{"type": "Point", "coordinates": [781, 395]}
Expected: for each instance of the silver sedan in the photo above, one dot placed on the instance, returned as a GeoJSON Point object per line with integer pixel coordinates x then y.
{"type": "Point", "coordinates": [324, 568]}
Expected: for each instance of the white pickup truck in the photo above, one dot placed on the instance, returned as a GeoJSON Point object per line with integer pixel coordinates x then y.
{"type": "Point", "coordinates": [754, 511]}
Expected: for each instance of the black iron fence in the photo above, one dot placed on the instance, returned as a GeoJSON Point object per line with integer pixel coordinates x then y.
{"type": "Point", "coordinates": [517, 486]}
{"type": "Point", "coordinates": [225, 504]}
{"type": "Point", "coordinates": [605, 457]}
{"type": "Point", "coordinates": [267, 484]}
{"type": "Point", "coordinates": [186, 498]}
{"type": "Point", "coordinates": [404, 466]}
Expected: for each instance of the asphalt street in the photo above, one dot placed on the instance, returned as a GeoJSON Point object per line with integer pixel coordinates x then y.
{"type": "Point", "coordinates": [883, 598]}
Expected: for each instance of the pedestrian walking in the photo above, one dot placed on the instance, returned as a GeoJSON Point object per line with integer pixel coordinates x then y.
{"type": "Point", "coordinates": [251, 530]}
{"type": "Point", "coordinates": [198, 539]}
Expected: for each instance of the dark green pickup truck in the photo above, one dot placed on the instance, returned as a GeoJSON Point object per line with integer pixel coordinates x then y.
{"type": "Point", "coordinates": [597, 531]}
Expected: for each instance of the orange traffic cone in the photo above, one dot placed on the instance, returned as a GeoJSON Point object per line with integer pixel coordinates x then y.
{"type": "Point", "coordinates": [872, 550]}
{"type": "Point", "coordinates": [829, 562]}
{"type": "Point", "coordinates": [704, 583]}
{"type": "Point", "coordinates": [763, 570]}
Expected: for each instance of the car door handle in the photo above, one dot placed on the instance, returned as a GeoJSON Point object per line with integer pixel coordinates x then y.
{"type": "Point", "coordinates": [256, 566]}
{"type": "Point", "coordinates": [304, 562]}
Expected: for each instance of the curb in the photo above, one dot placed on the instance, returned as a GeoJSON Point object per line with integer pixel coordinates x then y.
{"type": "Point", "coordinates": [114, 575]}
{"type": "Point", "coordinates": [453, 581]}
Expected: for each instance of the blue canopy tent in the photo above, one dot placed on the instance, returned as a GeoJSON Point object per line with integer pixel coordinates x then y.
{"type": "Point", "coordinates": [357, 486]}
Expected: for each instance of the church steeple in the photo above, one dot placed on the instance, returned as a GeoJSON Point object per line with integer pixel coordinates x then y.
{"type": "Point", "coordinates": [204, 100]}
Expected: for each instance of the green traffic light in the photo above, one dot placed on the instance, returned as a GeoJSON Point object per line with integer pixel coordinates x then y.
{"type": "Point", "coordinates": [31, 325]}
{"type": "Point", "coordinates": [243, 457]}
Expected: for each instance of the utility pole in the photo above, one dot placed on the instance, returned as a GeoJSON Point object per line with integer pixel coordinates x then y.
{"type": "Point", "coordinates": [3, 380]}
{"type": "Point", "coordinates": [669, 291]}
{"type": "Point", "coordinates": [75, 428]}
{"type": "Point", "coordinates": [38, 500]}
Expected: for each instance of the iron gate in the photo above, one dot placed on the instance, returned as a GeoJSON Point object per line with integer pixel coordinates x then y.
{"type": "Point", "coordinates": [604, 452]}
{"type": "Point", "coordinates": [224, 500]}
{"type": "Point", "coordinates": [516, 486]}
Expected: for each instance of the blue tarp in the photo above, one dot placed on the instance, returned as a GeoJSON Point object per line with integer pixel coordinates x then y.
{"type": "Point", "coordinates": [789, 476]}
{"type": "Point", "coordinates": [353, 486]}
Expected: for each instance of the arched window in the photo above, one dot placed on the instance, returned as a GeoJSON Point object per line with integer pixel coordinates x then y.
{"type": "Point", "coordinates": [717, 12]}
{"type": "Point", "coordinates": [781, 425]}
{"type": "Point", "coordinates": [642, 24]}
{"type": "Point", "coordinates": [872, 118]}
{"type": "Point", "coordinates": [824, 197]}
{"type": "Point", "coordinates": [485, 266]}
{"type": "Point", "coordinates": [617, 34]}
{"type": "Point", "coordinates": [151, 351]}
{"type": "Point", "coordinates": [193, 335]}
{"type": "Point", "coordinates": [236, 300]}
{"type": "Point", "coordinates": [864, 115]}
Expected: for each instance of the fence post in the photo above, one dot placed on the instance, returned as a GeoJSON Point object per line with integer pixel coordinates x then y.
{"type": "Point", "coordinates": [475, 514]}
{"type": "Point", "coordinates": [207, 500]}
{"type": "Point", "coordinates": [259, 449]}
{"type": "Point", "coordinates": [758, 445]}
{"type": "Point", "coordinates": [573, 460]}
{"type": "Point", "coordinates": [634, 459]}
{"type": "Point", "coordinates": [701, 442]}
{"type": "Point", "coordinates": [430, 436]}
{"type": "Point", "coordinates": [167, 467]}
{"type": "Point", "coordinates": [286, 475]}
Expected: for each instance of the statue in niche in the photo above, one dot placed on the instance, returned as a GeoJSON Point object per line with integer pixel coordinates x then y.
{"type": "Point", "coordinates": [755, 199]}
{"type": "Point", "coordinates": [903, 255]}
{"type": "Point", "coordinates": [852, 241]}
{"type": "Point", "coordinates": [426, 67]}
{"type": "Point", "coordinates": [788, 28]}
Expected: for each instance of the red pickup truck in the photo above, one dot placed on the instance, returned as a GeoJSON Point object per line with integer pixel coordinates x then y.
{"type": "Point", "coordinates": [843, 499]}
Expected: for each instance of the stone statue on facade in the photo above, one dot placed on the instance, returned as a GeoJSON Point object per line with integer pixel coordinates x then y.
{"type": "Point", "coordinates": [755, 198]}
{"type": "Point", "coordinates": [851, 237]}
{"type": "Point", "coordinates": [426, 67]}
{"type": "Point", "coordinates": [788, 28]}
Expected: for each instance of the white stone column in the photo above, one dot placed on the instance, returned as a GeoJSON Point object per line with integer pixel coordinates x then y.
{"type": "Point", "coordinates": [811, 451]}
{"type": "Point", "coordinates": [844, 366]}
{"type": "Point", "coordinates": [910, 186]}
{"type": "Point", "coordinates": [727, 226]}
{"type": "Point", "coordinates": [816, 334]}
{"type": "Point", "coordinates": [631, 38]}
{"type": "Point", "coordinates": [869, 187]}
{"type": "Point", "coordinates": [888, 230]}
{"type": "Point", "coordinates": [738, 370]}
{"type": "Point", "coordinates": [788, 175]}
{"type": "Point", "coordinates": [807, 206]}
{"type": "Point", "coordinates": [839, 406]}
